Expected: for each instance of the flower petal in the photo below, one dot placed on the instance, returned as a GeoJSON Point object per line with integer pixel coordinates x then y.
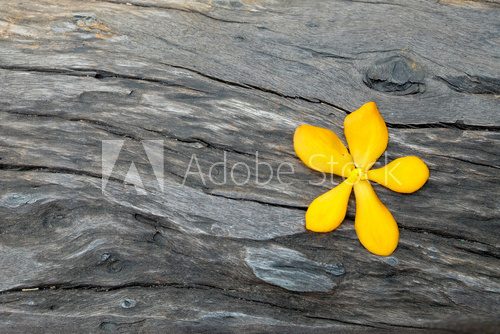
{"type": "Point", "coordinates": [376, 228]}
{"type": "Point", "coordinates": [321, 150]}
{"type": "Point", "coordinates": [366, 134]}
{"type": "Point", "coordinates": [327, 211]}
{"type": "Point", "coordinates": [404, 175]}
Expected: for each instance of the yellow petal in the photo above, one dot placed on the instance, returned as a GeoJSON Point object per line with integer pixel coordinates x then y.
{"type": "Point", "coordinates": [404, 175]}
{"type": "Point", "coordinates": [327, 211]}
{"type": "Point", "coordinates": [321, 150]}
{"type": "Point", "coordinates": [366, 134]}
{"type": "Point", "coordinates": [376, 228]}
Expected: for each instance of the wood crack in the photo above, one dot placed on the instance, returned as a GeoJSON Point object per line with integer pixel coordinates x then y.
{"type": "Point", "coordinates": [100, 125]}
{"type": "Point", "coordinates": [379, 3]}
{"type": "Point", "coordinates": [418, 327]}
{"type": "Point", "coordinates": [262, 89]}
{"type": "Point", "coordinates": [350, 323]}
{"type": "Point", "coordinates": [194, 140]}
{"type": "Point", "coordinates": [323, 54]}
{"type": "Point", "coordinates": [481, 253]}
{"type": "Point", "coordinates": [100, 74]}
{"type": "Point", "coordinates": [467, 161]}
{"type": "Point", "coordinates": [285, 206]}
{"type": "Point", "coordinates": [56, 170]}
{"type": "Point", "coordinates": [472, 84]}
{"type": "Point", "coordinates": [459, 125]}
{"type": "Point", "coordinates": [442, 234]}
{"type": "Point", "coordinates": [93, 73]}
{"type": "Point", "coordinates": [104, 288]}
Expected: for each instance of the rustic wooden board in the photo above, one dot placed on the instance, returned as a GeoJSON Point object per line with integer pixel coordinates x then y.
{"type": "Point", "coordinates": [232, 78]}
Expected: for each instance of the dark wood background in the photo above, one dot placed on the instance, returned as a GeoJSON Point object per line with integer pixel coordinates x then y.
{"type": "Point", "coordinates": [209, 77]}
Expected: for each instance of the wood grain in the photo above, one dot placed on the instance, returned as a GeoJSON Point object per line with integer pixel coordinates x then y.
{"type": "Point", "coordinates": [215, 79]}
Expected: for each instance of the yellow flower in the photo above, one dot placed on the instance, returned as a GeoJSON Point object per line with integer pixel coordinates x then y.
{"type": "Point", "coordinates": [367, 137]}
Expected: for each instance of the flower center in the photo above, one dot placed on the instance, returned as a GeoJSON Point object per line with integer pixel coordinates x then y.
{"type": "Point", "coordinates": [356, 175]}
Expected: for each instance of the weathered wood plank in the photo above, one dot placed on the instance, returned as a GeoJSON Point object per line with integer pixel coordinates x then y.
{"type": "Point", "coordinates": [230, 78]}
{"type": "Point", "coordinates": [440, 59]}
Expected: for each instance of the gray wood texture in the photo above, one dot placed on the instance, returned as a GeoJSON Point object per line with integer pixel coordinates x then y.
{"type": "Point", "coordinates": [236, 77]}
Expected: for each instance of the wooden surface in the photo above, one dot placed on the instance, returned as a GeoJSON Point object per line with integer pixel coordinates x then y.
{"type": "Point", "coordinates": [221, 76]}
